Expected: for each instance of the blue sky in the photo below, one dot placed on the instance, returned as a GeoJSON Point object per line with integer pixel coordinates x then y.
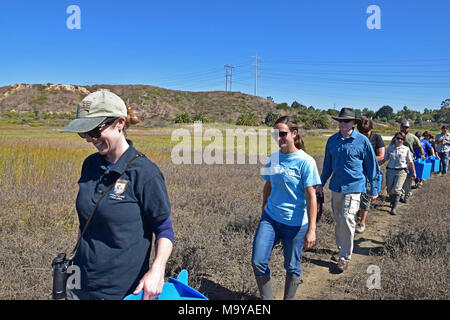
{"type": "Point", "coordinates": [318, 53]}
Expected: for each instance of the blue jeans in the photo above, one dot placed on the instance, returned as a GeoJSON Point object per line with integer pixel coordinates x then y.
{"type": "Point", "coordinates": [268, 234]}
{"type": "Point", "coordinates": [444, 161]}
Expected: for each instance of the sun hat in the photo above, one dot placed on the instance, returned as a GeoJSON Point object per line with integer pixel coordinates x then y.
{"type": "Point", "coordinates": [346, 114]}
{"type": "Point", "coordinates": [94, 109]}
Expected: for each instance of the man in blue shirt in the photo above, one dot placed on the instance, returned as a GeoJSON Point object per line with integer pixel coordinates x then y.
{"type": "Point", "coordinates": [349, 158]}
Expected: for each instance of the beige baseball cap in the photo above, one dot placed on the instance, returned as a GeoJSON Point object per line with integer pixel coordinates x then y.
{"type": "Point", "coordinates": [94, 109]}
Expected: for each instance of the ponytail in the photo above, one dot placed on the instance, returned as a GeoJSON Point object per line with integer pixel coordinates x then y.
{"type": "Point", "coordinates": [131, 117]}
{"type": "Point", "coordinates": [298, 142]}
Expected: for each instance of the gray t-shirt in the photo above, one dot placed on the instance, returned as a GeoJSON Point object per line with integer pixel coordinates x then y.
{"type": "Point", "coordinates": [442, 147]}
{"type": "Point", "coordinates": [398, 158]}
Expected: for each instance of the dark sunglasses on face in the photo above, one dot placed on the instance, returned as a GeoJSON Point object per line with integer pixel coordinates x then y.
{"type": "Point", "coordinates": [399, 138]}
{"type": "Point", "coordinates": [280, 134]}
{"type": "Point", "coordinates": [97, 131]}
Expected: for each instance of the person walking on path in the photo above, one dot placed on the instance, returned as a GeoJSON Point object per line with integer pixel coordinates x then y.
{"type": "Point", "coordinates": [123, 201]}
{"type": "Point", "coordinates": [443, 148]}
{"type": "Point", "coordinates": [289, 209]}
{"type": "Point", "coordinates": [399, 157]}
{"type": "Point", "coordinates": [349, 159]}
{"type": "Point", "coordinates": [429, 138]}
{"type": "Point", "coordinates": [427, 149]}
{"type": "Point", "coordinates": [411, 141]}
{"type": "Point", "coordinates": [365, 127]}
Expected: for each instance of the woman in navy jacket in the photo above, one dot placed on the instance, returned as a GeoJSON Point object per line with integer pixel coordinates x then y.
{"type": "Point", "coordinates": [114, 252]}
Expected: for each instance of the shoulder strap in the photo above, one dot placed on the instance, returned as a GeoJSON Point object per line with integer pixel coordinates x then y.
{"type": "Point", "coordinates": [80, 236]}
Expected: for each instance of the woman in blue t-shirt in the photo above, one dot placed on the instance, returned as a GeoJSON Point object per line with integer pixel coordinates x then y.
{"type": "Point", "coordinates": [289, 209]}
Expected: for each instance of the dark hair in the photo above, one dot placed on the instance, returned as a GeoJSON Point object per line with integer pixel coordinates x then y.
{"type": "Point", "coordinates": [292, 125]}
{"type": "Point", "coordinates": [400, 134]}
{"type": "Point", "coordinates": [365, 125]}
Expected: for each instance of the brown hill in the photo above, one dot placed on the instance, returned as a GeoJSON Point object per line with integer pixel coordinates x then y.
{"type": "Point", "coordinates": [148, 101]}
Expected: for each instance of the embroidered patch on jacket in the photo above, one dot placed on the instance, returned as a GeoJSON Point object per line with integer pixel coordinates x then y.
{"type": "Point", "coordinates": [120, 186]}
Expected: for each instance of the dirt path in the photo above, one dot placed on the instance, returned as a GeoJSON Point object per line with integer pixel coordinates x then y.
{"type": "Point", "coordinates": [318, 269]}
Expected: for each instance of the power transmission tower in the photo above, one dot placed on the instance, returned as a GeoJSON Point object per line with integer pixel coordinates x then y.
{"type": "Point", "coordinates": [228, 74]}
{"type": "Point", "coordinates": [256, 72]}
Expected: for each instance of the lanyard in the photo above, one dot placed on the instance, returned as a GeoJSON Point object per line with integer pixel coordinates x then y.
{"type": "Point", "coordinates": [72, 255]}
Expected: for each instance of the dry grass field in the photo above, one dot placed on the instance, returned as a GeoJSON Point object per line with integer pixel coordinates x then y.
{"type": "Point", "coordinates": [215, 211]}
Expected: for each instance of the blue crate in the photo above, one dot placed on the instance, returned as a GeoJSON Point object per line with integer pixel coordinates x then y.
{"type": "Point", "coordinates": [435, 163]}
{"type": "Point", "coordinates": [174, 289]}
{"type": "Point", "coordinates": [380, 184]}
{"type": "Point", "coordinates": [423, 169]}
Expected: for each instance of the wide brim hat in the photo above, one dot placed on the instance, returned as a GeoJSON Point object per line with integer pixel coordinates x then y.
{"type": "Point", "coordinates": [346, 114]}
{"type": "Point", "coordinates": [96, 108]}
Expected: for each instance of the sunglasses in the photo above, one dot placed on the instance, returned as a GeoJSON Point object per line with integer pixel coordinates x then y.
{"type": "Point", "coordinates": [398, 138]}
{"type": "Point", "coordinates": [281, 134]}
{"type": "Point", "coordinates": [97, 131]}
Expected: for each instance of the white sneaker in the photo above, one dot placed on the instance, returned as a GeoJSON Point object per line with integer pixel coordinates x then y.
{"type": "Point", "coordinates": [360, 228]}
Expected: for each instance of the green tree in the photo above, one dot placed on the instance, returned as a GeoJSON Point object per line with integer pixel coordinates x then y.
{"type": "Point", "coordinates": [385, 112]}
{"type": "Point", "coordinates": [320, 121]}
{"type": "Point", "coordinates": [283, 106]}
{"type": "Point", "coordinates": [183, 117]}
{"type": "Point", "coordinates": [297, 105]}
{"type": "Point", "coordinates": [200, 116]}
{"type": "Point", "coordinates": [368, 113]}
{"type": "Point", "coordinates": [333, 112]}
{"type": "Point", "coordinates": [271, 118]}
{"type": "Point", "coordinates": [248, 119]}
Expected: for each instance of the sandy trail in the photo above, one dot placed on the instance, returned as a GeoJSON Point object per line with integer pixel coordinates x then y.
{"type": "Point", "coordinates": [318, 269]}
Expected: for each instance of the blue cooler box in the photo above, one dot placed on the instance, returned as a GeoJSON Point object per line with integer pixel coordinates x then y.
{"type": "Point", "coordinates": [423, 169]}
{"type": "Point", "coordinates": [435, 163]}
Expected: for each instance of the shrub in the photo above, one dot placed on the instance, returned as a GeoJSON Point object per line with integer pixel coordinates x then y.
{"type": "Point", "coordinates": [248, 119]}
{"type": "Point", "coordinates": [320, 122]}
{"type": "Point", "coordinates": [41, 100]}
{"type": "Point", "coordinates": [183, 117]}
{"type": "Point", "coordinates": [271, 118]}
{"type": "Point", "coordinates": [200, 116]}
{"type": "Point", "coordinates": [283, 106]}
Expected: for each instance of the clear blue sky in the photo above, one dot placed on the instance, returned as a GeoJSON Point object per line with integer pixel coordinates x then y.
{"type": "Point", "coordinates": [318, 52]}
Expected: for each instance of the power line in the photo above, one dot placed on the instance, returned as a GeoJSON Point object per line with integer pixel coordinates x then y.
{"type": "Point", "coordinates": [228, 75]}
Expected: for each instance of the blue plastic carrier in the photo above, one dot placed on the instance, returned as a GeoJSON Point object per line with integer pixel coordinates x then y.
{"type": "Point", "coordinates": [380, 184]}
{"type": "Point", "coordinates": [174, 289]}
{"type": "Point", "coordinates": [423, 169]}
{"type": "Point", "coordinates": [435, 163]}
